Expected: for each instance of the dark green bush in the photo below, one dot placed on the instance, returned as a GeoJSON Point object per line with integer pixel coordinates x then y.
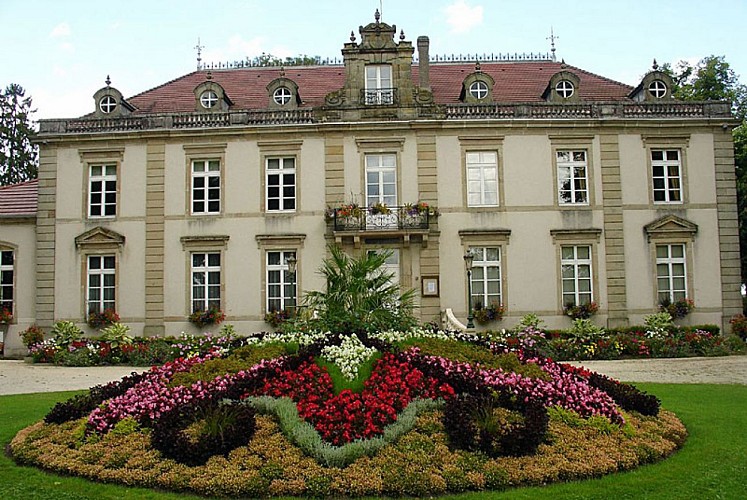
{"type": "Point", "coordinates": [626, 395]}
{"type": "Point", "coordinates": [192, 433]}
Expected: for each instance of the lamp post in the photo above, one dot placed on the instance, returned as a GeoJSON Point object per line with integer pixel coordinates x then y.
{"type": "Point", "coordinates": [469, 258]}
{"type": "Point", "coordinates": [292, 263]}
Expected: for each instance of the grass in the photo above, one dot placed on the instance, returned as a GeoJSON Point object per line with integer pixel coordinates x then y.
{"type": "Point", "coordinates": [712, 464]}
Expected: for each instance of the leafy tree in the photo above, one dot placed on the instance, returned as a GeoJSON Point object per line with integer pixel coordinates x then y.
{"type": "Point", "coordinates": [271, 60]}
{"type": "Point", "coordinates": [17, 154]}
{"type": "Point", "coordinates": [360, 297]}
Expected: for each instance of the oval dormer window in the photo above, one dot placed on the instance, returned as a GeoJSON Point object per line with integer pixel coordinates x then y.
{"type": "Point", "coordinates": [564, 88]}
{"type": "Point", "coordinates": [282, 96]}
{"type": "Point", "coordinates": [478, 90]}
{"type": "Point", "coordinates": [208, 99]}
{"type": "Point", "coordinates": [107, 104]}
{"type": "Point", "coordinates": [658, 89]}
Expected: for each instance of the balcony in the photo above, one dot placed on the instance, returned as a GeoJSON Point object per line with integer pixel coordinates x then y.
{"type": "Point", "coordinates": [381, 222]}
{"type": "Point", "coordinates": [379, 97]}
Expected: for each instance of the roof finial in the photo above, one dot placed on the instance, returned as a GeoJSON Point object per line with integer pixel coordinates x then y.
{"type": "Point", "coordinates": [377, 16]}
{"type": "Point", "coordinates": [562, 63]}
{"type": "Point", "coordinates": [655, 66]}
{"type": "Point", "coordinates": [478, 68]}
{"type": "Point", "coordinates": [108, 81]}
{"type": "Point", "coordinates": [199, 48]}
{"type": "Point", "coordinates": [552, 39]}
{"type": "Point", "coordinates": [352, 36]}
{"type": "Point", "coordinates": [282, 71]}
{"type": "Point", "coordinates": [401, 35]}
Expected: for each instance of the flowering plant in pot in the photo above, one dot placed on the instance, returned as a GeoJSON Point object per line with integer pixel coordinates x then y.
{"type": "Point", "coordinates": [205, 317]}
{"type": "Point", "coordinates": [5, 316]}
{"type": "Point", "coordinates": [100, 319]}
{"type": "Point", "coordinates": [486, 314]}
{"type": "Point", "coordinates": [581, 311]}
{"type": "Point", "coordinates": [277, 317]}
{"type": "Point", "coordinates": [677, 309]}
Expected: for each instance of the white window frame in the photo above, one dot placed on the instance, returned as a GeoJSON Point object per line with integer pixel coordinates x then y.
{"type": "Point", "coordinates": [480, 186]}
{"type": "Point", "coordinates": [7, 280]}
{"type": "Point", "coordinates": [107, 104]}
{"type": "Point", "coordinates": [104, 272]}
{"type": "Point", "coordinates": [208, 99]}
{"type": "Point", "coordinates": [478, 89]}
{"type": "Point", "coordinates": [658, 89]}
{"type": "Point", "coordinates": [205, 292]}
{"type": "Point", "coordinates": [281, 286]}
{"type": "Point", "coordinates": [574, 271]}
{"type": "Point", "coordinates": [575, 172]}
{"type": "Point", "coordinates": [386, 179]}
{"type": "Point", "coordinates": [105, 177]}
{"type": "Point", "coordinates": [286, 166]}
{"type": "Point", "coordinates": [667, 275]}
{"type": "Point", "coordinates": [206, 175]}
{"type": "Point", "coordinates": [282, 96]}
{"type": "Point", "coordinates": [481, 276]}
{"type": "Point", "coordinates": [669, 185]}
{"type": "Point", "coordinates": [565, 89]}
{"type": "Point", "coordinates": [379, 87]}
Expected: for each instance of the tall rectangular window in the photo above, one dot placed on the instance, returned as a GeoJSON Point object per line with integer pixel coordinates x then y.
{"type": "Point", "coordinates": [6, 280]}
{"type": "Point", "coordinates": [101, 283]}
{"type": "Point", "coordinates": [102, 191]}
{"type": "Point", "coordinates": [576, 275]}
{"type": "Point", "coordinates": [281, 284]}
{"type": "Point", "coordinates": [486, 276]}
{"type": "Point", "coordinates": [205, 281]}
{"type": "Point", "coordinates": [381, 179]}
{"type": "Point", "coordinates": [666, 169]}
{"type": "Point", "coordinates": [379, 89]}
{"type": "Point", "coordinates": [482, 178]}
{"type": "Point", "coordinates": [206, 186]}
{"type": "Point", "coordinates": [671, 272]}
{"type": "Point", "coordinates": [280, 181]}
{"type": "Point", "coordinates": [572, 178]}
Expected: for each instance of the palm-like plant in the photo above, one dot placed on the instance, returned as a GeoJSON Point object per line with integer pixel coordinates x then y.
{"type": "Point", "coordinates": [360, 296]}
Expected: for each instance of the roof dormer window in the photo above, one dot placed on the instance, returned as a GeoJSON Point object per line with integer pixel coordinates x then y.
{"type": "Point", "coordinates": [107, 104]}
{"type": "Point", "coordinates": [658, 89]}
{"type": "Point", "coordinates": [379, 90]}
{"type": "Point", "coordinates": [565, 89]}
{"type": "Point", "coordinates": [282, 96]}
{"type": "Point", "coordinates": [478, 90]}
{"type": "Point", "coordinates": [208, 99]}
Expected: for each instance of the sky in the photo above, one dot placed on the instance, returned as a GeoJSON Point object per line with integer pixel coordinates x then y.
{"type": "Point", "coordinates": [62, 51]}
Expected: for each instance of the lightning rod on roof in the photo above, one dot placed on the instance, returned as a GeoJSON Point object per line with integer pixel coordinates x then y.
{"type": "Point", "coordinates": [552, 39]}
{"type": "Point", "coordinates": [199, 48]}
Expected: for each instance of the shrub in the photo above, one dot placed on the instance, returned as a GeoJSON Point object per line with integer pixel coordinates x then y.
{"type": "Point", "coordinates": [32, 335]}
{"type": "Point", "coordinates": [498, 424]}
{"type": "Point", "coordinates": [116, 335]}
{"type": "Point", "coordinates": [585, 329]}
{"type": "Point", "coordinates": [192, 433]}
{"type": "Point", "coordinates": [65, 333]}
{"type": "Point", "coordinates": [626, 395]}
{"type": "Point", "coordinates": [530, 320]}
{"type": "Point", "coordinates": [739, 326]}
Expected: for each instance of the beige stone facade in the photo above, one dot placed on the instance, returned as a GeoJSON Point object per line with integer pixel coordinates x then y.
{"type": "Point", "coordinates": [548, 187]}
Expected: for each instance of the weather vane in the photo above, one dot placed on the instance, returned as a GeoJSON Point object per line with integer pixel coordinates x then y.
{"type": "Point", "coordinates": [199, 48]}
{"type": "Point", "coordinates": [552, 39]}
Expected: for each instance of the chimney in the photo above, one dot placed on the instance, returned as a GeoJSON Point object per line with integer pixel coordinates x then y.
{"type": "Point", "coordinates": [424, 63]}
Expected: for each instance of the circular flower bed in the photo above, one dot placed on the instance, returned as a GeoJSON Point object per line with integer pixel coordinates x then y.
{"type": "Point", "coordinates": [437, 412]}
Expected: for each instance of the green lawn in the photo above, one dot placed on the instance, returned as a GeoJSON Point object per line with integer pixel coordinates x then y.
{"type": "Point", "coordinates": [713, 463]}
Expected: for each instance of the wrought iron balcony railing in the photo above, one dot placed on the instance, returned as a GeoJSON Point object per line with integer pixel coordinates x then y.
{"type": "Point", "coordinates": [379, 97]}
{"type": "Point", "coordinates": [391, 219]}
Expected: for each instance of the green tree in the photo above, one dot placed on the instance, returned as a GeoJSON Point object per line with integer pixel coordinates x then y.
{"type": "Point", "coordinates": [360, 297]}
{"type": "Point", "coordinates": [17, 154]}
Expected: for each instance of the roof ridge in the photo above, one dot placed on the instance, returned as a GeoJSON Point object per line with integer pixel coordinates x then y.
{"type": "Point", "coordinates": [18, 184]}
{"type": "Point", "coordinates": [163, 84]}
{"type": "Point", "coordinates": [599, 76]}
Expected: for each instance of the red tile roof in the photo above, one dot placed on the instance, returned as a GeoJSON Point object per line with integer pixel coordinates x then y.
{"type": "Point", "coordinates": [515, 82]}
{"type": "Point", "coordinates": [19, 199]}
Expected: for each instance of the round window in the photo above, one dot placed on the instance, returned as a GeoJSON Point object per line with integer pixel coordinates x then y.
{"type": "Point", "coordinates": [658, 89]}
{"type": "Point", "coordinates": [208, 99]}
{"type": "Point", "coordinates": [478, 90]}
{"type": "Point", "coordinates": [564, 88]}
{"type": "Point", "coordinates": [107, 104]}
{"type": "Point", "coordinates": [282, 96]}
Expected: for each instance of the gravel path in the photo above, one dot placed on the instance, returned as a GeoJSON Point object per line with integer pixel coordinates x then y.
{"type": "Point", "coordinates": [18, 377]}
